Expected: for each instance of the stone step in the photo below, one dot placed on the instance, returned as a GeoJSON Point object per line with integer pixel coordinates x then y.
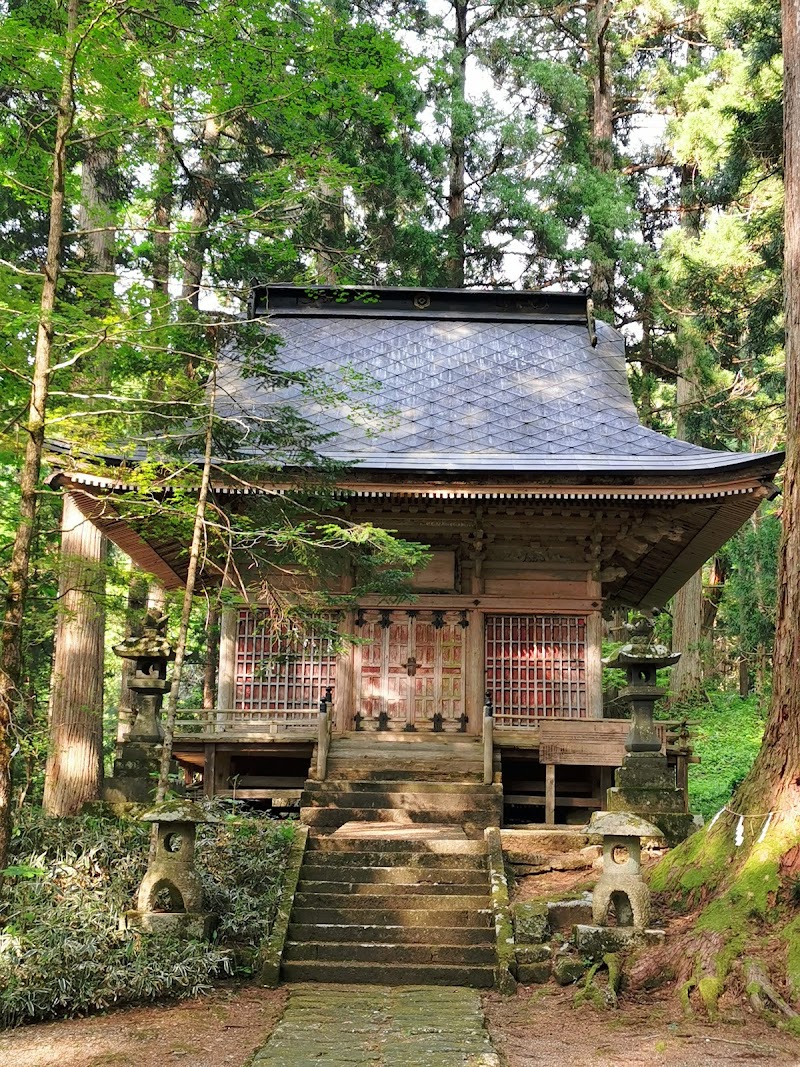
{"type": "Point", "coordinates": [397, 935]}
{"type": "Point", "coordinates": [387, 902]}
{"type": "Point", "coordinates": [402, 787]}
{"type": "Point", "coordinates": [387, 744]}
{"type": "Point", "coordinates": [457, 801]}
{"type": "Point", "coordinates": [412, 771]}
{"type": "Point", "coordinates": [420, 862]}
{"type": "Point", "coordinates": [385, 951]}
{"type": "Point", "coordinates": [475, 818]}
{"type": "Point", "coordinates": [438, 848]}
{"type": "Point", "coordinates": [421, 915]}
{"type": "Point", "coordinates": [476, 977]}
{"type": "Point", "coordinates": [388, 874]}
{"type": "Point", "coordinates": [390, 891]}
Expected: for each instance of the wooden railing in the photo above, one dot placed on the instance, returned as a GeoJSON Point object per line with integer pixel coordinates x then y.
{"type": "Point", "coordinates": [204, 721]}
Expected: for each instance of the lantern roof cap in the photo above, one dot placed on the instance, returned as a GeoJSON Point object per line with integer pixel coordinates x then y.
{"type": "Point", "coordinates": [176, 811]}
{"type": "Point", "coordinates": [621, 824]}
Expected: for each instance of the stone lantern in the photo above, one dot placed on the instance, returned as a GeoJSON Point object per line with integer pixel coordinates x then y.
{"type": "Point", "coordinates": [139, 754]}
{"type": "Point", "coordinates": [170, 898]}
{"type": "Point", "coordinates": [620, 887]}
{"type": "Point", "coordinates": [645, 784]}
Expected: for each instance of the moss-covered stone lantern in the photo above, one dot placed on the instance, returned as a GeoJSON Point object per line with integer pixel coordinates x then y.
{"type": "Point", "coordinates": [621, 890]}
{"type": "Point", "coordinates": [135, 766]}
{"type": "Point", "coordinates": [645, 784]}
{"type": "Point", "coordinates": [170, 898]}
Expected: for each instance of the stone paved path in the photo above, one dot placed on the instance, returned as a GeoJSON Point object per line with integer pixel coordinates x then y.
{"type": "Point", "coordinates": [375, 1026]}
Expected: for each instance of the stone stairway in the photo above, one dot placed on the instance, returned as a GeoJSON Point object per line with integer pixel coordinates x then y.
{"type": "Point", "coordinates": [394, 887]}
{"type": "Point", "coordinates": [392, 910]}
{"type": "Point", "coordinates": [410, 778]}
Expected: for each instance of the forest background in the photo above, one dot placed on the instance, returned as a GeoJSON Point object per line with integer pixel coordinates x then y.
{"type": "Point", "coordinates": [158, 158]}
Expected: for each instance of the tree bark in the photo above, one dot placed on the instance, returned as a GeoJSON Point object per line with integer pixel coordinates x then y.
{"type": "Point", "coordinates": [774, 780]}
{"type": "Point", "coordinates": [687, 607]}
{"type": "Point", "coordinates": [203, 213]}
{"type": "Point", "coordinates": [601, 147]}
{"type": "Point", "coordinates": [163, 203]}
{"type": "Point", "coordinates": [74, 771]}
{"type": "Point", "coordinates": [456, 192]}
{"type": "Point", "coordinates": [19, 570]}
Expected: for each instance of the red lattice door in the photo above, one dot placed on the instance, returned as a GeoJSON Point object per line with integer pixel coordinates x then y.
{"type": "Point", "coordinates": [536, 668]}
{"type": "Point", "coordinates": [409, 671]}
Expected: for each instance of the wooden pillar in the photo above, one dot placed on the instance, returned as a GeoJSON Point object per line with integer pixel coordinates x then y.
{"type": "Point", "coordinates": [74, 771]}
{"type": "Point", "coordinates": [210, 771]}
{"type": "Point", "coordinates": [549, 794]}
{"type": "Point", "coordinates": [475, 673]}
{"type": "Point", "coordinates": [344, 693]}
{"type": "Point", "coordinates": [594, 667]}
{"type": "Point", "coordinates": [226, 676]}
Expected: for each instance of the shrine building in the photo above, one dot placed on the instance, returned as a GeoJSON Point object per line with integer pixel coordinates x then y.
{"type": "Point", "coordinates": [501, 432]}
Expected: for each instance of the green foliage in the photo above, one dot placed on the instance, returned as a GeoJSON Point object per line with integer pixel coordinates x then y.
{"type": "Point", "coordinates": [61, 951]}
{"type": "Point", "coordinates": [726, 738]}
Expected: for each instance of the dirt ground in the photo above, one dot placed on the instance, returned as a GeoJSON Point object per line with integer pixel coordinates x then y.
{"type": "Point", "coordinates": [538, 1026]}
{"type": "Point", "coordinates": [220, 1030]}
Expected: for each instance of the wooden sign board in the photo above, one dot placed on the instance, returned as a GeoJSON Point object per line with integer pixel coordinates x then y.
{"type": "Point", "coordinates": [587, 742]}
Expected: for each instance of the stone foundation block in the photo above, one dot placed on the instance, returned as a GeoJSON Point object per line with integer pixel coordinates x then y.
{"type": "Point", "coordinates": [534, 973]}
{"type": "Point", "coordinates": [562, 915]}
{"type": "Point", "coordinates": [568, 969]}
{"type": "Point", "coordinates": [530, 922]}
{"type": "Point", "coordinates": [192, 926]}
{"type": "Point", "coordinates": [533, 953]}
{"type": "Point", "coordinates": [596, 941]}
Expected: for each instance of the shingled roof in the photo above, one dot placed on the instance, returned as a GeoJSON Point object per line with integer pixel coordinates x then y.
{"type": "Point", "coordinates": [467, 381]}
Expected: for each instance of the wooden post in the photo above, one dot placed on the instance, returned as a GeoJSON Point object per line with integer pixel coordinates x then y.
{"type": "Point", "coordinates": [75, 759]}
{"type": "Point", "coordinates": [550, 794]}
{"type": "Point", "coordinates": [226, 674]}
{"type": "Point", "coordinates": [594, 667]}
{"type": "Point", "coordinates": [324, 735]}
{"type": "Point", "coordinates": [209, 771]}
{"type": "Point", "coordinates": [488, 743]}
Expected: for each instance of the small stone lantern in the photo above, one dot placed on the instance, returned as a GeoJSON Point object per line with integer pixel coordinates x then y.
{"type": "Point", "coordinates": [645, 784]}
{"type": "Point", "coordinates": [170, 897]}
{"type": "Point", "coordinates": [620, 886]}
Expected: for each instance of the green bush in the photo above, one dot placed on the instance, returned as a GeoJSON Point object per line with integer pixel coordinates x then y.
{"type": "Point", "coordinates": [726, 738]}
{"type": "Point", "coordinates": [61, 952]}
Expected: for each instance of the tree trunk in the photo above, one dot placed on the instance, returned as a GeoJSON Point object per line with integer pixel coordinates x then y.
{"type": "Point", "coordinates": [202, 215]}
{"type": "Point", "coordinates": [774, 781]}
{"type": "Point", "coordinates": [19, 570]}
{"type": "Point", "coordinates": [212, 659]}
{"type": "Point", "coordinates": [96, 215]}
{"type": "Point", "coordinates": [687, 607]}
{"type": "Point", "coordinates": [163, 202]}
{"type": "Point", "coordinates": [75, 758]}
{"type": "Point", "coordinates": [331, 235]}
{"type": "Point", "coordinates": [601, 148]}
{"type": "Point", "coordinates": [456, 192]}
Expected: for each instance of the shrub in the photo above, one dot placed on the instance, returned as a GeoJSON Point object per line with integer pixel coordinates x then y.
{"type": "Point", "coordinates": [61, 952]}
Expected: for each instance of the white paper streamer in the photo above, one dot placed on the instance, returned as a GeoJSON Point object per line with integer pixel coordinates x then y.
{"type": "Point", "coordinates": [715, 818]}
{"type": "Point", "coordinates": [764, 829]}
{"type": "Point", "coordinates": [739, 836]}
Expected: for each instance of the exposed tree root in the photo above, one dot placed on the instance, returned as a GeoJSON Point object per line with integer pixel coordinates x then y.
{"type": "Point", "coordinates": [760, 991]}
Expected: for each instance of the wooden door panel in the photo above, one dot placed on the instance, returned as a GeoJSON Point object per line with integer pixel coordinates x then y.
{"type": "Point", "coordinates": [410, 668]}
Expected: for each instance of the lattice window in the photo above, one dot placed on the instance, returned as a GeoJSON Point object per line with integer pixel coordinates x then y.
{"type": "Point", "coordinates": [279, 672]}
{"type": "Point", "coordinates": [536, 667]}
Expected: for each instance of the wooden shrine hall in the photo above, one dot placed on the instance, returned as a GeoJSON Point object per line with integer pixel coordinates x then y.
{"type": "Point", "coordinates": [504, 436]}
